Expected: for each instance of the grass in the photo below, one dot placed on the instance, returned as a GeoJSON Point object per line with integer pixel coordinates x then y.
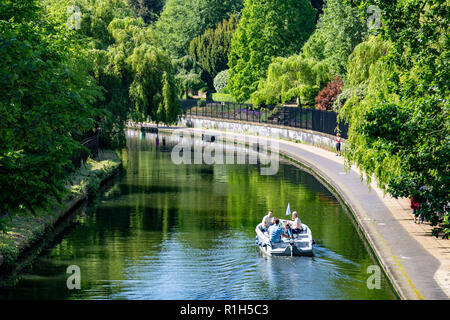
{"type": "Point", "coordinates": [23, 230]}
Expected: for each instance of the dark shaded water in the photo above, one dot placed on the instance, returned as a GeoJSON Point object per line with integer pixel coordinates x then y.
{"type": "Point", "coordinates": [166, 231]}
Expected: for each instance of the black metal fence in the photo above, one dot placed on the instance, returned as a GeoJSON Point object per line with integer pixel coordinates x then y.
{"type": "Point", "coordinates": [92, 144]}
{"type": "Point", "coordinates": [296, 117]}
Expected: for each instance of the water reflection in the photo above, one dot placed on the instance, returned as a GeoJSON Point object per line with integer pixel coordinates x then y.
{"type": "Point", "coordinates": [166, 231]}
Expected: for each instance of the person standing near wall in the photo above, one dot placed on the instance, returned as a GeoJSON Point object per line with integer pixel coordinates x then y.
{"type": "Point", "coordinates": [338, 140]}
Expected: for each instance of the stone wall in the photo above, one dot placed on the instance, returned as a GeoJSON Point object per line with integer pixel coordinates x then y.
{"type": "Point", "coordinates": [309, 137]}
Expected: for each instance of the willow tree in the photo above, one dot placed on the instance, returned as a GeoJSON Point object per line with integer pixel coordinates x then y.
{"type": "Point", "coordinates": [267, 29]}
{"type": "Point", "coordinates": [322, 57]}
{"type": "Point", "coordinates": [144, 69]}
{"type": "Point", "coordinates": [400, 131]}
{"type": "Point", "coordinates": [293, 77]}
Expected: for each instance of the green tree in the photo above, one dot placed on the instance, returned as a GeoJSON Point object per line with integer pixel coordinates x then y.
{"type": "Point", "coordinates": [211, 49]}
{"type": "Point", "coordinates": [400, 131]}
{"type": "Point", "coordinates": [95, 18]}
{"type": "Point", "coordinates": [188, 75]}
{"type": "Point", "coordinates": [290, 78]}
{"type": "Point", "coordinates": [267, 29]}
{"type": "Point", "coordinates": [338, 32]}
{"type": "Point", "coordinates": [144, 70]}
{"type": "Point", "coordinates": [46, 97]}
{"type": "Point", "coordinates": [148, 10]}
{"type": "Point", "coordinates": [183, 20]}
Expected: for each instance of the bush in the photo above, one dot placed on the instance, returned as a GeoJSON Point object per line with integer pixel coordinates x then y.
{"type": "Point", "coordinates": [328, 95]}
{"type": "Point", "coordinates": [220, 81]}
{"type": "Point", "coordinates": [341, 99]}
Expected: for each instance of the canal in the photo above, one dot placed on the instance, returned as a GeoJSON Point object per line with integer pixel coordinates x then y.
{"type": "Point", "coordinates": [166, 231]}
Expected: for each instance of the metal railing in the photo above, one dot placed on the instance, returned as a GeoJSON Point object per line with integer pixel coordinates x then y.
{"type": "Point", "coordinates": [296, 117]}
{"type": "Point", "coordinates": [90, 143]}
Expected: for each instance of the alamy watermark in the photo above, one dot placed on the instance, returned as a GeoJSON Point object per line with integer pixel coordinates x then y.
{"type": "Point", "coordinates": [374, 280]}
{"type": "Point", "coordinates": [374, 19]}
{"type": "Point", "coordinates": [74, 280]}
{"type": "Point", "coordinates": [225, 148]}
{"type": "Point", "coordinates": [74, 21]}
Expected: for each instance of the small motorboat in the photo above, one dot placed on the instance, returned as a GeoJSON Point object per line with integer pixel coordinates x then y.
{"type": "Point", "coordinates": [300, 245]}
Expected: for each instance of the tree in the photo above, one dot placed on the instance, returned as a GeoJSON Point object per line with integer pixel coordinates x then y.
{"type": "Point", "coordinates": [293, 77]}
{"type": "Point", "coordinates": [267, 29]}
{"type": "Point", "coordinates": [183, 20]}
{"type": "Point", "coordinates": [188, 75]}
{"type": "Point", "coordinates": [211, 49]}
{"type": "Point", "coordinates": [95, 18]}
{"type": "Point", "coordinates": [221, 81]}
{"type": "Point", "coordinates": [338, 31]}
{"type": "Point", "coordinates": [400, 131]}
{"type": "Point", "coordinates": [328, 95]}
{"type": "Point", "coordinates": [148, 10]}
{"type": "Point", "coordinates": [144, 69]}
{"type": "Point", "coordinates": [46, 97]}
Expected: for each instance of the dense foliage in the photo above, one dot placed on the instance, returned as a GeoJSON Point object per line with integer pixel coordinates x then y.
{"type": "Point", "coordinates": [183, 20]}
{"type": "Point", "coordinates": [267, 29]}
{"type": "Point", "coordinates": [59, 85]}
{"type": "Point", "coordinates": [221, 81]}
{"type": "Point", "coordinates": [148, 10]}
{"type": "Point", "coordinates": [45, 103]}
{"type": "Point", "coordinates": [328, 95]}
{"type": "Point", "coordinates": [323, 56]}
{"type": "Point", "coordinates": [400, 129]}
{"type": "Point", "coordinates": [210, 50]}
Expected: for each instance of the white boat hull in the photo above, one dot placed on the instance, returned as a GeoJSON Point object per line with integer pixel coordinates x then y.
{"type": "Point", "coordinates": [301, 245]}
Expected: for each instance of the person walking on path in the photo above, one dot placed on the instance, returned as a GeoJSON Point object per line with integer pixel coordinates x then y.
{"type": "Point", "coordinates": [417, 212]}
{"type": "Point", "coordinates": [338, 140]}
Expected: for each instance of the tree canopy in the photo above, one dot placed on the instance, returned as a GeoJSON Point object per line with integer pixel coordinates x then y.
{"type": "Point", "coordinates": [45, 104]}
{"type": "Point", "coordinates": [338, 32]}
{"type": "Point", "coordinates": [267, 29]}
{"type": "Point", "coordinates": [183, 20]}
{"type": "Point", "coordinates": [58, 85]}
{"type": "Point", "coordinates": [400, 130]}
{"type": "Point", "coordinates": [210, 50]}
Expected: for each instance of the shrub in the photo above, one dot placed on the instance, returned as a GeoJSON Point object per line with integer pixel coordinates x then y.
{"type": "Point", "coordinates": [220, 81]}
{"type": "Point", "coordinates": [328, 95]}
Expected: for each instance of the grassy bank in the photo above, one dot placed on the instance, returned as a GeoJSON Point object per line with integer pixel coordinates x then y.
{"type": "Point", "coordinates": [25, 229]}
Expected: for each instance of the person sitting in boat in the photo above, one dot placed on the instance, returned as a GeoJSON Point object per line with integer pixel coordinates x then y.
{"type": "Point", "coordinates": [276, 231]}
{"type": "Point", "coordinates": [267, 221]}
{"type": "Point", "coordinates": [297, 224]}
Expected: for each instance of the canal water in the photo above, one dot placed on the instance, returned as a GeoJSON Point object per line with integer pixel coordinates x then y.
{"type": "Point", "coordinates": [167, 231]}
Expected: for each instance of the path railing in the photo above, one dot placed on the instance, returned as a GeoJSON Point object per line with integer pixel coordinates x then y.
{"type": "Point", "coordinates": [92, 144]}
{"type": "Point", "coordinates": [296, 117]}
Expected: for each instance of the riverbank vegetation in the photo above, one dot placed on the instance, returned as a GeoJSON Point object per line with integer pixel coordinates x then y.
{"type": "Point", "coordinates": [25, 229]}
{"type": "Point", "coordinates": [77, 67]}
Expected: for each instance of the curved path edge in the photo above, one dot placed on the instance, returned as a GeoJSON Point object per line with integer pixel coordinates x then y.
{"type": "Point", "coordinates": [415, 272]}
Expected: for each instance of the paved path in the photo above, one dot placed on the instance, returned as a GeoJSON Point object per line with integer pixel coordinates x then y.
{"type": "Point", "coordinates": [417, 264]}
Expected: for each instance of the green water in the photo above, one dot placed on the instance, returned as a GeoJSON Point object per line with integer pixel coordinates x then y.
{"type": "Point", "coordinates": [166, 231]}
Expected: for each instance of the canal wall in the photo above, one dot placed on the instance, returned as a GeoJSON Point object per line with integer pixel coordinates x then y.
{"type": "Point", "coordinates": [417, 265]}
{"type": "Point", "coordinates": [25, 230]}
{"type": "Point", "coordinates": [313, 138]}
